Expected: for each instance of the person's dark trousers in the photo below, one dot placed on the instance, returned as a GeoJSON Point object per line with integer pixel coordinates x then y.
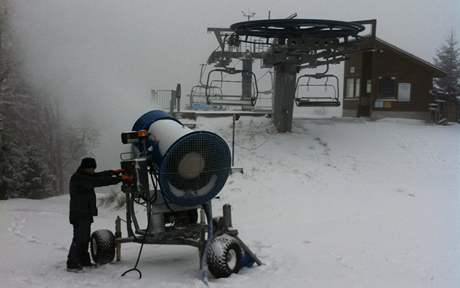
{"type": "Point", "coordinates": [78, 253]}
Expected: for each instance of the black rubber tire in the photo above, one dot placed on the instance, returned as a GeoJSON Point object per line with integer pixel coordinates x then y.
{"type": "Point", "coordinates": [220, 250]}
{"type": "Point", "coordinates": [102, 246]}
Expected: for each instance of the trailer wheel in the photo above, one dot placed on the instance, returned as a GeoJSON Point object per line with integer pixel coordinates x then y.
{"type": "Point", "coordinates": [224, 256]}
{"type": "Point", "coordinates": [102, 246]}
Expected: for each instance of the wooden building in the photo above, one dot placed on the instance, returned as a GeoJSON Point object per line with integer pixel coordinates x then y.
{"type": "Point", "coordinates": [386, 81]}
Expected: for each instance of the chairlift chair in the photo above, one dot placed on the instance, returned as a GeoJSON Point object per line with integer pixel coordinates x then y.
{"type": "Point", "coordinates": [198, 93]}
{"type": "Point", "coordinates": [229, 99]}
{"type": "Point", "coordinates": [318, 101]}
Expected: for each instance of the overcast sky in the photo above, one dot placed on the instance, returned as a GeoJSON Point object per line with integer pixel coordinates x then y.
{"type": "Point", "coordinates": [101, 58]}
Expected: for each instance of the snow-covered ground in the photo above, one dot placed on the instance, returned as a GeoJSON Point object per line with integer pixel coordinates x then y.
{"type": "Point", "coordinates": [335, 203]}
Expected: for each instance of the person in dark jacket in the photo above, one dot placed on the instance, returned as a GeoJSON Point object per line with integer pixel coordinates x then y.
{"type": "Point", "coordinates": [83, 208]}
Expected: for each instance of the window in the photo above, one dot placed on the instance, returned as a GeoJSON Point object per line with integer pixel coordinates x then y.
{"type": "Point", "coordinates": [349, 92]}
{"type": "Point", "coordinates": [357, 87]}
{"type": "Point", "coordinates": [404, 92]}
{"type": "Point", "coordinates": [369, 86]}
{"type": "Point", "coordinates": [387, 88]}
{"type": "Point", "coordinates": [352, 88]}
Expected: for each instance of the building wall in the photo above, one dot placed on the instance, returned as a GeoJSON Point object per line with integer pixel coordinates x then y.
{"type": "Point", "coordinates": [453, 112]}
{"type": "Point", "coordinates": [386, 64]}
{"type": "Point", "coordinates": [389, 64]}
{"type": "Point", "coordinates": [422, 115]}
{"type": "Point", "coordinates": [352, 68]}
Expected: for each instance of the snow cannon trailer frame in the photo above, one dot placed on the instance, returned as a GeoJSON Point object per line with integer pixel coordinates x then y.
{"type": "Point", "coordinates": [175, 180]}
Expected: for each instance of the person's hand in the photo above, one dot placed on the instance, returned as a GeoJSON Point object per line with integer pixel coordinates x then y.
{"type": "Point", "coordinates": [118, 171]}
{"type": "Point", "coordinates": [127, 179]}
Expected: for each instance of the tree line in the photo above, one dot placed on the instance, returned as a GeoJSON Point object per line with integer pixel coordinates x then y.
{"type": "Point", "coordinates": [39, 147]}
{"type": "Point", "coordinates": [448, 59]}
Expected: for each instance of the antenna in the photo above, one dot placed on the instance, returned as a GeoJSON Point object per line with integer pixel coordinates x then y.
{"type": "Point", "coordinates": [248, 14]}
{"type": "Point", "coordinates": [292, 16]}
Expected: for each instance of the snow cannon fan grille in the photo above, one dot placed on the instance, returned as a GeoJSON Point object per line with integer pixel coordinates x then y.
{"type": "Point", "coordinates": [195, 168]}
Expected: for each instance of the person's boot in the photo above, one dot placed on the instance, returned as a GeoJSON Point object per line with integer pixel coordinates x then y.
{"type": "Point", "coordinates": [89, 264]}
{"type": "Point", "coordinates": [86, 260]}
{"type": "Point", "coordinates": [74, 268]}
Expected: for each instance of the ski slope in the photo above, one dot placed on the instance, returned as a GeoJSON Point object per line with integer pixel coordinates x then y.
{"type": "Point", "coordinates": [335, 203]}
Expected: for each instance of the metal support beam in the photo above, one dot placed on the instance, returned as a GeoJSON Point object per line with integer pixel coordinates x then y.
{"type": "Point", "coordinates": [178, 96]}
{"type": "Point", "coordinates": [118, 235]}
{"type": "Point", "coordinates": [246, 83]}
{"type": "Point", "coordinates": [283, 97]}
{"type": "Point", "coordinates": [227, 216]}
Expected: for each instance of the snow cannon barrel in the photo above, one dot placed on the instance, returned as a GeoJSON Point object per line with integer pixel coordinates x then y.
{"type": "Point", "coordinates": [193, 165]}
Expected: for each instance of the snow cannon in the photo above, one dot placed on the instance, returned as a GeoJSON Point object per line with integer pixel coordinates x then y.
{"type": "Point", "coordinates": [192, 166]}
{"type": "Point", "coordinates": [175, 172]}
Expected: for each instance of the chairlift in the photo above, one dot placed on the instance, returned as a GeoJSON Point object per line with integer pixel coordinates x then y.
{"type": "Point", "coordinates": [198, 92]}
{"type": "Point", "coordinates": [221, 98]}
{"type": "Point", "coordinates": [265, 99]}
{"type": "Point", "coordinates": [318, 101]}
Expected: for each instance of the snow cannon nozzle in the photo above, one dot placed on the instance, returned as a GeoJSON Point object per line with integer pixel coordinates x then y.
{"type": "Point", "coordinates": [133, 136]}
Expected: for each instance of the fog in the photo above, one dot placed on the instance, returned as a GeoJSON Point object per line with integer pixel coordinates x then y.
{"type": "Point", "coordinates": [101, 58]}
